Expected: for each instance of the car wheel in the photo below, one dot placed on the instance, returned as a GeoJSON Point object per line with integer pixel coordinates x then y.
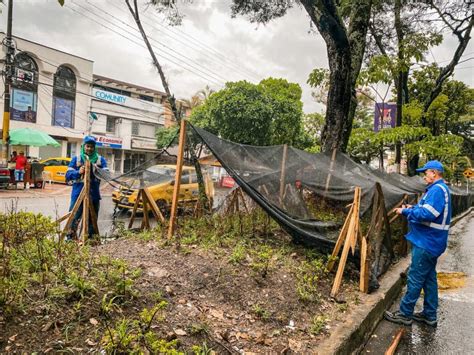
{"type": "Point", "coordinates": [163, 206]}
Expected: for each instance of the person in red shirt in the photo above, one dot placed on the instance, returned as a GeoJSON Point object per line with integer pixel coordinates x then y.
{"type": "Point", "coordinates": [20, 166]}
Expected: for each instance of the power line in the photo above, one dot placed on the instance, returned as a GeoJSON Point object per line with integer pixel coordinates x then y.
{"type": "Point", "coordinates": [215, 75]}
{"type": "Point", "coordinates": [191, 45]}
{"type": "Point", "coordinates": [219, 83]}
{"type": "Point", "coordinates": [199, 43]}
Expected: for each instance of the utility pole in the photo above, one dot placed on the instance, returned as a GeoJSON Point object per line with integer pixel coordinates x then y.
{"type": "Point", "coordinates": [8, 72]}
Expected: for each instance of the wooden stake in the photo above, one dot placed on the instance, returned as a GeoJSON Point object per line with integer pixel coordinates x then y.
{"type": "Point", "coordinates": [340, 240]}
{"type": "Point", "coordinates": [393, 346]}
{"type": "Point", "coordinates": [135, 208]}
{"type": "Point", "coordinates": [86, 202]}
{"type": "Point", "coordinates": [177, 180]}
{"type": "Point", "coordinates": [351, 234]}
{"type": "Point", "coordinates": [331, 166]}
{"type": "Point", "coordinates": [154, 207]}
{"type": "Point", "coordinates": [74, 210]}
{"type": "Point", "coordinates": [282, 174]}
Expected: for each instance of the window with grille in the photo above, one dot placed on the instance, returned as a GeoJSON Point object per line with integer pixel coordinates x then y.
{"type": "Point", "coordinates": [135, 128]}
{"type": "Point", "coordinates": [111, 125]}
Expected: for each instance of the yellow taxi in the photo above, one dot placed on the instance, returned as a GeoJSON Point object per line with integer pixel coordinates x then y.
{"type": "Point", "coordinates": [159, 179]}
{"type": "Point", "coordinates": [57, 168]}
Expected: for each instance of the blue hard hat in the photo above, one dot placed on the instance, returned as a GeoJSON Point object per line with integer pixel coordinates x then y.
{"type": "Point", "coordinates": [432, 164]}
{"type": "Point", "coordinates": [90, 140]}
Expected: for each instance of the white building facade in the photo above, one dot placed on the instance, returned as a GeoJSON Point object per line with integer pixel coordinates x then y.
{"type": "Point", "coordinates": [50, 92]}
{"type": "Point", "coordinates": [127, 118]}
{"type": "Point", "coordinates": [57, 93]}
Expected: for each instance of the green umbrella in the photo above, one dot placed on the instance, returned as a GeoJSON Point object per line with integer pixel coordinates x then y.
{"type": "Point", "coordinates": [31, 137]}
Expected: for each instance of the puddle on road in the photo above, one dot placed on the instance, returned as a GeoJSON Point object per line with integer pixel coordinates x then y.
{"type": "Point", "coordinates": [451, 280]}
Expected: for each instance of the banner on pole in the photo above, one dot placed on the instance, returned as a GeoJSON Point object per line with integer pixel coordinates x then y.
{"type": "Point", "coordinates": [385, 115]}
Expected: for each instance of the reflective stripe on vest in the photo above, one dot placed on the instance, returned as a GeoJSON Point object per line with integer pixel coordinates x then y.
{"type": "Point", "coordinates": [443, 225]}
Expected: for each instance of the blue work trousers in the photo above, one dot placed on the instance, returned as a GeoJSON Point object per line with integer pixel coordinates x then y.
{"type": "Point", "coordinates": [421, 276]}
{"type": "Point", "coordinates": [78, 216]}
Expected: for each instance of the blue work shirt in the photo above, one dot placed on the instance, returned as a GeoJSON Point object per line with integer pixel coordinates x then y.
{"type": "Point", "coordinates": [72, 174]}
{"type": "Point", "coordinates": [429, 220]}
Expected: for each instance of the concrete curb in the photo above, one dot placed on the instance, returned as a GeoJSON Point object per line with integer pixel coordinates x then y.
{"type": "Point", "coordinates": [360, 323]}
{"type": "Point", "coordinates": [461, 216]}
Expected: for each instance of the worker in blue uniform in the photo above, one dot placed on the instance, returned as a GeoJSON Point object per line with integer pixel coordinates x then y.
{"type": "Point", "coordinates": [428, 233]}
{"type": "Point", "coordinates": [75, 173]}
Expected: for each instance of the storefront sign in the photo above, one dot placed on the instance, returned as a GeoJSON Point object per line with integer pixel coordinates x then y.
{"type": "Point", "coordinates": [109, 142]}
{"type": "Point", "coordinates": [63, 111]}
{"type": "Point", "coordinates": [143, 144]}
{"type": "Point", "coordinates": [23, 106]}
{"type": "Point", "coordinates": [126, 101]}
{"type": "Point", "coordinates": [227, 181]}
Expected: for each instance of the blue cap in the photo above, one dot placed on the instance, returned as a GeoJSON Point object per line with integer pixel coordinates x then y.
{"type": "Point", "coordinates": [89, 139]}
{"type": "Point", "coordinates": [432, 164]}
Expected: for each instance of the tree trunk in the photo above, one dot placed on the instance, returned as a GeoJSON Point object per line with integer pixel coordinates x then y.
{"type": "Point", "coordinates": [171, 100]}
{"type": "Point", "coordinates": [345, 53]}
{"type": "Point", "coordinates": [336, 130]}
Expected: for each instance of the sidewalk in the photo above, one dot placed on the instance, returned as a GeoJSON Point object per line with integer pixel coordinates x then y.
{"type": "Point", "coordinates": [53, 189]}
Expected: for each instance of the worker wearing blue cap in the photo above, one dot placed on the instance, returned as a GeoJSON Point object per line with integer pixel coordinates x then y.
{"type": "Point", "coordinates": [75, 173]}
{"type": "Point", "coordinates": [429, 224]}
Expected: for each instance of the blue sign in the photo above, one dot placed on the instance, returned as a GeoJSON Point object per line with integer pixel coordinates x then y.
{"type": "Point", "coordinates": [109, 96]}
{"type": "Point", "coordinates": [23, 106]}
{"type": "Point", "coordinates": [63, 112]}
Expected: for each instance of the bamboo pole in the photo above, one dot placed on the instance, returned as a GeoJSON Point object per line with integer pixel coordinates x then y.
{"type": "Point", "coordinates": [177, 181]}
{"type": "Point", "coordinates": [282, 174]}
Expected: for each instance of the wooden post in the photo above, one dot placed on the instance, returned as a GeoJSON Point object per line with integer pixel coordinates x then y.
{"type": "Point", "coordinates": [86, 203]}
{"type": "Point", "coordinates": [393, 346]}
{"type": "Point", "coordinates": [282, 174]}
{"type": "Point", "coordinates": [135, 208]}
{"type": "Point", "coordinates": [331, 167]}
{"type": "Point", "coordinates": [177, 181]}
{"type": "Point", "coordinates": [340, 239]}
{"type": "Point", "coordinates": [144, 196]}
{"type": "Point", "coordinates": [350, 235]}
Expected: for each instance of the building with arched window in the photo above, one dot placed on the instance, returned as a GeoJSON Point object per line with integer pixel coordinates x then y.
{"type": "Point", "coordinates": [50, 92]}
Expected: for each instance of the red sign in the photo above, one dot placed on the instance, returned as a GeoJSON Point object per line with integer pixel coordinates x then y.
{"type": "Point", "coordinates": [227, 181]}
{"type": "Point", "coordinates": [112, 142]}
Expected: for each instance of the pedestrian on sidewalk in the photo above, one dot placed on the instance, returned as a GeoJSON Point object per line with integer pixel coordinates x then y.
{"type": "Point", "coordinates": [20, 164]}
{"type": "Point", "coordinates": [428, 224]}
{"type": "Point", "coordinates": [75, 173]}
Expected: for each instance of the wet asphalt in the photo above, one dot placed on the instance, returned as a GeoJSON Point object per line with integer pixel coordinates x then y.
{"type": "Point", "coordinates": [455, 331]}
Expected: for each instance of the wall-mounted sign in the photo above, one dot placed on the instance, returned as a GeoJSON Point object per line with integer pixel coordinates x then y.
{"type": "Point", "coordinates": [23, 106]}
{"type": "Point", "coordinates": [109, 142]}
{"type": "Point", "coordinates": [126, 101]}
{"type": "Point", "coordinates": [63, 112]}
{"type": "Point", "coordinates": [143, 144]}
{"type": "Point", "coordinates": [385, 115]}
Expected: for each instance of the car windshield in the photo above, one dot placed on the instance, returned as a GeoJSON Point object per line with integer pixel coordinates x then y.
{"type": "Point", "coordinates": [158, 174]}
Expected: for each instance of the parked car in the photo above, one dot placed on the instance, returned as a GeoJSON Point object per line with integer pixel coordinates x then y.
{"type": "Point", "coordinates": [57, 167]}
{"type": "Point", "coordinates": [4, 177]}
{"type": "Point", "coordinates": [163, 177]}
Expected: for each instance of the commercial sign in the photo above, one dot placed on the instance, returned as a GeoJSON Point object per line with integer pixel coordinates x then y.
{"type": "Point", "coordinates": [227, 181]}
{"type": "Point", "coordinates": [385, 115]}
{"type": "Point", "coordinates": [143, 144]}
{"type": "Point", "coordinates": [126, 101]}
{"type": "Point", "coordinates": [23, 106]}
{"type": "Point", "coordinates": [63, 111]}
{"type": "Point", "coordinates": [109, 142]}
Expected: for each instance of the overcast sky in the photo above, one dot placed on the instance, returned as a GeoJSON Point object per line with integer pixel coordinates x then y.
{"type": "Point", "coordinates": [209, 48]}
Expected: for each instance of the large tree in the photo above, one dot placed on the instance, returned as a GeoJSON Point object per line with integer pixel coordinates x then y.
{"type": "Point", "coordinates": [264, 114]}
{"type": "Point", "coordinates": [343, 26]}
